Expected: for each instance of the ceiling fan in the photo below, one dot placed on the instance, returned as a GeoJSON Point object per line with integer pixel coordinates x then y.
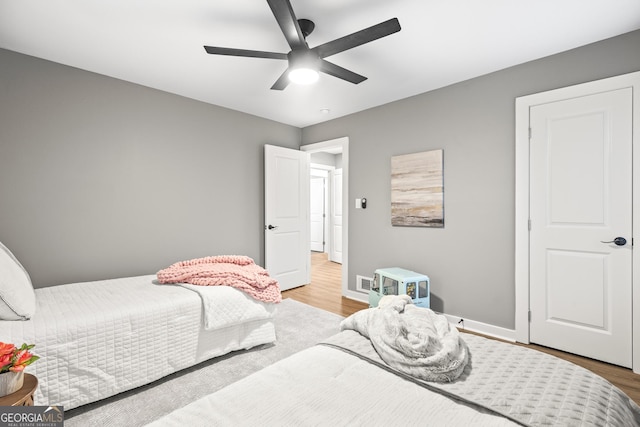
{"type": "Point", "coordinates": [303, 59]}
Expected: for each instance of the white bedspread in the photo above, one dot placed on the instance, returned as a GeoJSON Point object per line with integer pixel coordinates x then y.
{"type": "Point", "coordinates": [344, 383]}
{"type": "Point", "coordinates": [224, 306]}
{"type": "Point", "coordinates": [321, 386]}
{"type": "Point", "coordinates": [97, 339]}
{"type": "Point", "coordinates": [525, 385]}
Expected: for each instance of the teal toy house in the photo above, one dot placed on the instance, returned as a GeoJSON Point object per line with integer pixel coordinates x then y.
{"type": "Point", "coordinates": [398, 281]}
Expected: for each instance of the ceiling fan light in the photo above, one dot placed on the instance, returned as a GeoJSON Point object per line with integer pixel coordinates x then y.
{"type": "Point", "coordinates": [303, 76]}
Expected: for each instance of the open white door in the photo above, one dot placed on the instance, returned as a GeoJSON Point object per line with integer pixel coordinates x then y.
{"type": "Point", "coordinates": [335, 253]}
{"type": "Point", "coordinates": [318, 206]}
{"type": "Point", "coordinates": [286, 219]}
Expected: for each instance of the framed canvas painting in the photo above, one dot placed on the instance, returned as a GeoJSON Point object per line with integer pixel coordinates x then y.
{"type": "Point", "coordinates": [417, 189]}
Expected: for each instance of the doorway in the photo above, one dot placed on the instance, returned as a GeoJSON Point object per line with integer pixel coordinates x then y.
{"type": "Point", "coordinates": [574, 285]}
{"type": "Point", "coordinates": [333, 156]}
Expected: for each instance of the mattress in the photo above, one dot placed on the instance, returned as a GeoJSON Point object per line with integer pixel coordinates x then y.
{"type": "Point", "coordinates": [339, 383]}
{"type": "Point", "coordinates": [97, 339]}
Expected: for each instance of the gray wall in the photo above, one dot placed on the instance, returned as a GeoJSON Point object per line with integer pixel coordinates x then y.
{"type": "Point", "coordinates": [100, 178]}
{"type": "Point", "coordinates": [471, 261]}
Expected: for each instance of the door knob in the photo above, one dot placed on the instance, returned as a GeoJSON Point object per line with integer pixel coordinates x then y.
{"type": "Point", "coordinates": [272, 227]}
{"type": "Point", "coordinates": [620, 241]}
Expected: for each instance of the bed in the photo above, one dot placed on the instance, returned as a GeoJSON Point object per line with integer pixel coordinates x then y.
{"type": "Point", "coordinates": [344, 381]}
{"type": "Point", "coordinates": [96, 339]}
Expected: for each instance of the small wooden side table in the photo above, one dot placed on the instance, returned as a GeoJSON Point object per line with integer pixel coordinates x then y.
{"type": "Point", "coordinates": [24, 396]}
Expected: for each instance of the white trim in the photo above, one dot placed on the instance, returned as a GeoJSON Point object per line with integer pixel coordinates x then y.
{"type": "Point", "coordinates": [523, 105]}
{"type": "Point", "coordinates": [356, 296]}
{"type": "Point", "coordinates": [469, 324]}
{"type": "Point", "coordinates": [344, 144]}
{"type": "Point", "coordinates": [482, 328]}
{"type": "Point", "coordinates": [522, 222]}
{"type": "Point", "coordinates": [321, 167]}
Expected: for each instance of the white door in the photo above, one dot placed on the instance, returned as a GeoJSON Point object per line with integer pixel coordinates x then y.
{"type": "Point", "coordinates": [581, 197]}
{"type": "Point", "coordinates": [286, 219]}
{"type": "Point", "coordinates": [317, 212]}
{"type": "Point", "coordinates": [335, 253]}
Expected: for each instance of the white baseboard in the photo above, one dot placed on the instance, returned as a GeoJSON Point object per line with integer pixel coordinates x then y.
{"type": "Point", "coordinates": [357, 296]}
{"type": "Point", "coordinates": [467, 324]}
{"type": "Point", "coordinates": [481, 328]}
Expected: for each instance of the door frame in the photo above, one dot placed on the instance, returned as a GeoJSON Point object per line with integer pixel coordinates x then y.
{"type": "Point", "coordinates": [523, 105]}
{"type": "Point", "coordinates": [342, 143]}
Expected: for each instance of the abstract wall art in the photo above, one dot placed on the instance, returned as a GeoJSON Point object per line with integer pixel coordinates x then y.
{"type": "Point", "coordinates": [417, 189]}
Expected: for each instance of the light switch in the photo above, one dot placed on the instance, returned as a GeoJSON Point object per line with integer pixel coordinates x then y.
{"type": "Point", "coordinates": [358, 203]}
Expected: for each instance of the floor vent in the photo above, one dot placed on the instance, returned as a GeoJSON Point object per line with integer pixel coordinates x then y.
{"type": "Point", "coordinates": [363, 283]}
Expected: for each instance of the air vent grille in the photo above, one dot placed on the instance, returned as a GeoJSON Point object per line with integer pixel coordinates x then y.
{"type": "Point", "coordinates": [363, 284]}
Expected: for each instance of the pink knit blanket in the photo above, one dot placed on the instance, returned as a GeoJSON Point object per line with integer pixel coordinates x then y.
{"type": "Point", "coordinates": [238, 271]}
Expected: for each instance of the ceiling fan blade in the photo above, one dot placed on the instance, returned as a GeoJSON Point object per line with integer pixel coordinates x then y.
{"type": "Point", "coordinates": [358, 38]}
{"type": "Point", "coordinates": [282, 81]}
{"type": "Point", "coordinates": [341, 73]}
{"type": "Point", "coordinates": [288, 22]}
{"type": "Point", "coordinates": [243, 52]}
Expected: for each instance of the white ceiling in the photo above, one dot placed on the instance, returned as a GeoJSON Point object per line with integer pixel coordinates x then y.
{"type": "Point", "coordinates": [159, 43]}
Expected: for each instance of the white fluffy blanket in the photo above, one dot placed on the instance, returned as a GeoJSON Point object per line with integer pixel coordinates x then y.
{"type": "Point", "coordinates": [413, 340]}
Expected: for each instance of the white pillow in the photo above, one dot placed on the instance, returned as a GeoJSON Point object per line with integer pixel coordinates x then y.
{"type": "Point", "coordinates": [17, 298]}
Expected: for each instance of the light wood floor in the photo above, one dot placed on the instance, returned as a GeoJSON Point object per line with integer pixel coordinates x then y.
{"type": "Point", "coordinates": [325, 292]}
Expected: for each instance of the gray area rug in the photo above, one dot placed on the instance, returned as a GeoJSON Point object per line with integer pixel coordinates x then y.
{"type": "Point", "coordinates": [298, 326]}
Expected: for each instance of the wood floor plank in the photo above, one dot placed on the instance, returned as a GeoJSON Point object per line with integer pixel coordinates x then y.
{"type": "Point", "coordinates": [325, 292]}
